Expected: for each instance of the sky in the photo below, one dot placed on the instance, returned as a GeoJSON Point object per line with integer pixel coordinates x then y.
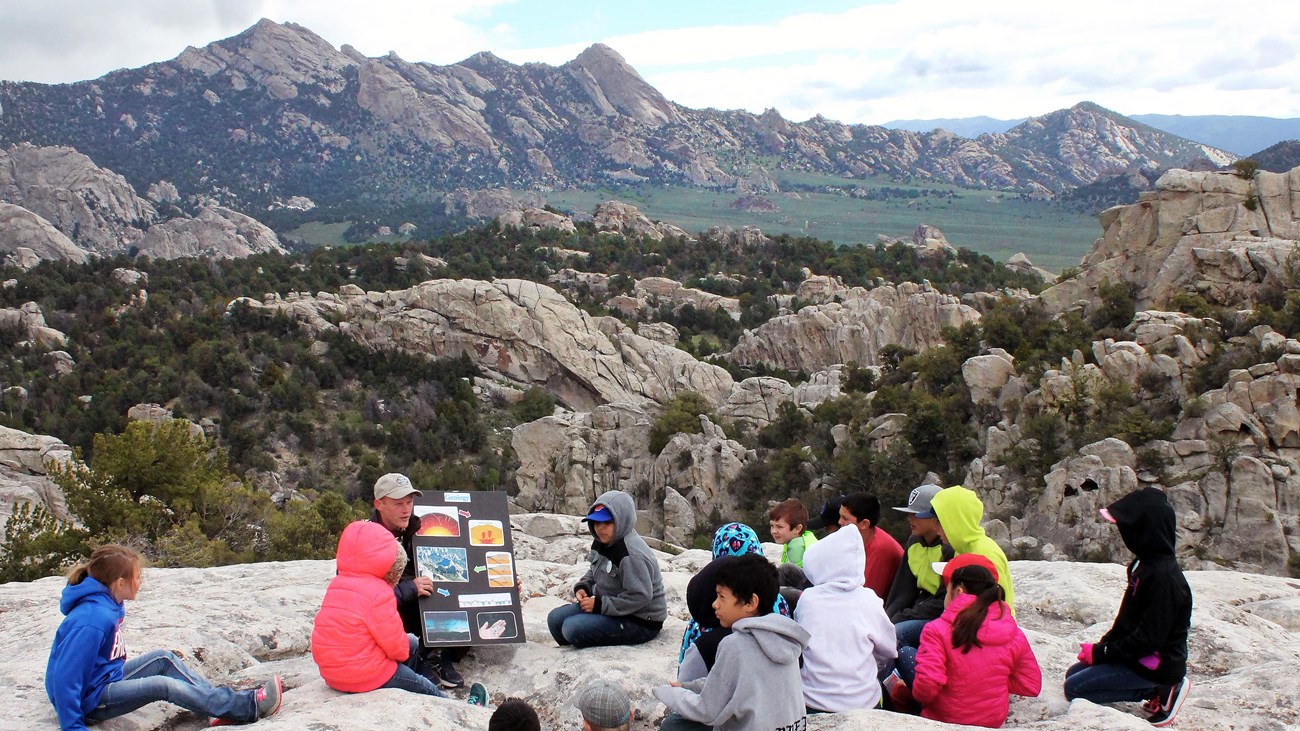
{"type": "Point", "coordinates": [853, 61]}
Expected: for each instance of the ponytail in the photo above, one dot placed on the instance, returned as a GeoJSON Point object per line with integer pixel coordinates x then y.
{"type": "Point", "coordinates": [107, 564]}
{"type": "Point", "coordinates": [978, 581]}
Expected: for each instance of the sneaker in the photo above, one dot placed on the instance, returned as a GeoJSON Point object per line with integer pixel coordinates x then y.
{"type": "Point", "coordinates": [478, 695]}
{"type": "Point", "coordinates": [1152, 705]}
{"type": "Point", "coordinates": [268, 697]}
{"type": "Point", "coordinates": [1171, 701]}
{"type": "Point", "coordinates": [448, 676]}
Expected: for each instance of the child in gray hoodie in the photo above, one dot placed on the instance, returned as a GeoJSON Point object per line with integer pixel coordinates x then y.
{"type": "Point", "coordinates": [620, 600]}
{"type": "Point", "coordinates": [754, 684]}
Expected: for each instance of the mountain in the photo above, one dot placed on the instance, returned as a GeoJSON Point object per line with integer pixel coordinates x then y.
{"type": "Point", "coordinates": [277, 112]}
{"type": "Point", "coordinates": [1280, 157]}
{"type": "Point", "coordinates": [1239, 134]}
{"type": "Point", "coordinates": [964, 126]}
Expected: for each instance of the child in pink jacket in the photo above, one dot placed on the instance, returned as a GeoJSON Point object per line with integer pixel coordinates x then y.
{"type": "Point", "coordinates": [975, 655]}
{"type": "Point", "coordinates": [357, 638]}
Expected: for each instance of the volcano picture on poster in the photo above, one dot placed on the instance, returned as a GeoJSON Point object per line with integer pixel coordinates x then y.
{"type": "Point", "coordinates": [438, 521]}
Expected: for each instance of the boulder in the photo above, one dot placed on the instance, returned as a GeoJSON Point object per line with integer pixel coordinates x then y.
{"type": "Point", "coordinates": [26, 239]}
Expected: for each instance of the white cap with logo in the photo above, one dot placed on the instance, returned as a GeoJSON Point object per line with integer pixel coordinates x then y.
{"type": "Point", "coordinates": [394, 485]}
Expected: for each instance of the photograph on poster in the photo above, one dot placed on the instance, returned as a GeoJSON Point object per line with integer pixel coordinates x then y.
{"type": "Point", "coordinates": [438, 521]}
{"type": "Point", "coordinates": [442, 563]}
{"type": "Point", "coordinates": [496, 625]}
{"type": "Point", "coordinates": [486, 533]}
{"type": "Point", "coordinates": [500, 569]}
{"type": "Point", "coordinates": [473, 601]}
{"type": "Point", "coordinates": [446, 626]}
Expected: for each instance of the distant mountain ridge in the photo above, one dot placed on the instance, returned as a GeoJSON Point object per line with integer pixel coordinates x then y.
{"type": "Point", "coordinates": [1239, 134]}
{"type": "Point", "coordinates": [276, 111]}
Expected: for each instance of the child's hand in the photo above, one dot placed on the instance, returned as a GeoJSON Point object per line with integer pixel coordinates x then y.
{"type": "Point", "coordinates": [581, 594]}
{"type": "Point", "coordinates": [588, 603]}
{"type": "Point", "coordinates": [674, 684]}
{"type": "Point", "coordinates": [1085, 653]}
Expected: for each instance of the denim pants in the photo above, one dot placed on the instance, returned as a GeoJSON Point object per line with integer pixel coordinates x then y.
{"type": "Point", "coordinates": [161, 676]}
{"type": "Point", "coordinates": [674, 722]}
{"type": "Point", "coordinates": [570, 625]}
{"type": "Point", "coordinates": [1107, 683]}
{"type": "Point", "coordinates": [408, 678]}
{"type": "Point", "coordinates": [908, 636]}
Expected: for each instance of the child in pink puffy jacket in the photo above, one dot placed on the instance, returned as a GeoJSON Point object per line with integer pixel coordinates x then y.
{"type": "Point", "coordinates": [975, 655]}
{"type": "Point", "coordinates": [357, 639]}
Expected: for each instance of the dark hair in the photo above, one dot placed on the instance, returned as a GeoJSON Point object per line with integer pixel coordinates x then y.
{"type": "Point", "coordinates": [749, 576]}
{"type": "Point", "coordinates": [791, 511]}
{"type": "Point", "coordinates": [978, 581]}
{"type": "Point", "coordinates": [863, 506]}
{"type": "Point", "coordinates": [107, 564]}
{"type": "Point", "coordinates": [514, 715]}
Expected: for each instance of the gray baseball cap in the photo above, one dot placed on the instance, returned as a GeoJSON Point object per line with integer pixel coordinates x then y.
{"type": "Point", "coordinates": [918, 503]}
{"type": "Point", "coordinates": [603, 704]}
{"type": "Point", "coordinates": [394, 485]}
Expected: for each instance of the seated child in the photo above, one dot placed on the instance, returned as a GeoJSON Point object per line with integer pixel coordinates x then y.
{"type": "Point", "coordinates": [1144, 655]}
{"type": "Point", "coordinates": [788, 522]}
{"type": "Point", "coordinates": [620, 600]}
{"type": "Point", "coordinates": [514, 715]}
{"type": "Point", "coordinates": [89, 678]}
{"type": "Point", "coordinates": [960, 511]}
{"type": "Point", "coordinates": [357, 639]}
{"type": "Point", "coordinates": [851, 638]}
{"type": "Point", "coordinates": [754, 684]}
{"type": "Point", "coordinates": [974, 655]}
{"type": "Point", "coordinates": [916, 596]}
{"type": "Point", "coordinates": [732, 539]}
{"type": "Point", "coordinates": [862, 511]}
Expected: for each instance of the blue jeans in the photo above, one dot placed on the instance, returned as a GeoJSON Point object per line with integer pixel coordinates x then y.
{"type": "Point", "coordinates": [906, 664]}
{"type": "Point", "coordinates": [161, 676]}
{"type": "Point", "coordinates": [570, 625]}
{"type": "Point", "coordinates": [1107, 683]}
{"type": "Point", "coordinates": [408, 678]}
{"type": "Point", "coordinates": [908, 632]}
{"type": "Point", "coordinates": [674, 722]}
{"type": "Point", "coordinates": [908, 635]}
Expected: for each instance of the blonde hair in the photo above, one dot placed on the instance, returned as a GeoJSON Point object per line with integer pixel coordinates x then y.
{"type": "Point", "coordinates": [107, 564]}
{"type": "Point", "coordinates": [394, 574]}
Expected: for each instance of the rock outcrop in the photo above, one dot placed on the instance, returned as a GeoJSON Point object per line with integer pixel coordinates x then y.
{"type": "Point", "coordinates": [215, 232]}
{"type": "Point", "coordinates": [854, 329]}
{"type": "Point", "coordinates": [243, 623]}
{"type": "Point", "coordinates": [651, 293]}
{"type": "Point", "coordinates": [1211, 234]}
{"type": "Point", "coordinates": [28, 239]}
{"type": "Point", "coordinates": [518, 330]}
{"type": "Point", "coordinates": [23, 471]}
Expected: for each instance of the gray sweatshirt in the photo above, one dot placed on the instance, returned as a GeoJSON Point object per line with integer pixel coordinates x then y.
{"type": "Point", "coordinates": [754, 685]}
{"type": "Point", "coordinates": [624, 576]}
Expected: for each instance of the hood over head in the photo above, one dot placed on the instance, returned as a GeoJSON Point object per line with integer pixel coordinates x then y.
{"type": "Point", "coordinates": [89, 590]}
{"type": "Point", "coordinates": [1146, 523]}
{"type": "Point", "coordinates": [623, 508]}
{"type": "Point", "coordinates": [837, 560]}
{"type": "Point", "coordinates": [780, 638]}
{"type": "Point", "coordinates": [366, 549]}
{"type": "Point", "coordinates": [959, 511]}
{"type": "Point", "coordinates": [735, 539]}
{"type": "Point", "coordinates": [701, 590]}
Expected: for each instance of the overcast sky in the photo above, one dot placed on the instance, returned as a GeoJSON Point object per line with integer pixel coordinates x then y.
{"type": "Point", "coordinates": [848, 60]}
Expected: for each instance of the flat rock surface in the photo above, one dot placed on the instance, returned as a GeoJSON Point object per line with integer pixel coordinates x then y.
{"type": "Point", "coordinates": [240, 624]}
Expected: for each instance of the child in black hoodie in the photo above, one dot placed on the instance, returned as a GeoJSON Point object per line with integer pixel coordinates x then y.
{"type": "Point", "coordinates": [1144, 655]}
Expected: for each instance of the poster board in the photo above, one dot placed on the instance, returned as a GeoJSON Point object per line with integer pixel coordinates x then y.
{"type": "Point", "coordinates": [464, 545]}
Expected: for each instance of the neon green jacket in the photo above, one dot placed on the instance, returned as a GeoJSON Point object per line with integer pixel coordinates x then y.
{"type": "Point", "coordinates": [960, 511]}
{"type": "Point", "coordinates": [792, 552]}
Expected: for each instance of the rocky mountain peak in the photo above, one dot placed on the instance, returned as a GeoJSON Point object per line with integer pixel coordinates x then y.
{"type": "Point", "coordinates": [613, 85]}
{"type": "Point", "coordinates": [279, 56]}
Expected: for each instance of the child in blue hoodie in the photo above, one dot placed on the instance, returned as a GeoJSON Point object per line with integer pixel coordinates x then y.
{"type": "Point", "coordinates": [89, 678]}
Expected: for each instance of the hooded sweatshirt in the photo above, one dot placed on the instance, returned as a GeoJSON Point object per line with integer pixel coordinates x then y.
{"type": "Point", "coordinates": [88, 652]}
{"type": "Point", "coordinates": [754, 685]}
{"type": "Point", "coordinates": [1155, 614]}
{"type": "Point", "coordinates": [357, 638]}
{"type": "Point", "coordinates": [624, 576]}
{"type": "Point", "coordinates": [974, 687]}
{"type": "Point", "coordinates": [917, 592]}
{"type": "Point", "coordinates": [960, 511]}
{"type": "Point", "coordinates": [851, 638]}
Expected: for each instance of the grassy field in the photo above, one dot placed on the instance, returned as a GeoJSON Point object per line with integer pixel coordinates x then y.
{"type": "Point", "coordinates": [992, 223]}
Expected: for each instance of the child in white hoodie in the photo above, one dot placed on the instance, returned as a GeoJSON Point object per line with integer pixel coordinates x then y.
{"type": "Point", "coordinates": [852, 639]}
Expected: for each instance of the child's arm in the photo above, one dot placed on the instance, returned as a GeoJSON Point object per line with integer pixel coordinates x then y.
{"type": "Point", "coordinates": [69, 670]}
{"type": "Point", "coordinates": [931, 664]}
{"type": "Point", "coordinates": [711, 700]}
{"type": "Point", "coordinates": [385, 627]}
{"type": "Point", "coordinates": [1026, 677]}
{"type": "Point", "coordinates": [1160, 610]}
{"type": "Point", "coordinates": [793, 551]}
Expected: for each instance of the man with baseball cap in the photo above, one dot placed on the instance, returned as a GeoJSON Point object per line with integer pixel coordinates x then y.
{"type": "Point", "coordinates": [395, 510]}
{"type": "Point", "coordinates": [604, 707]}
{"type": "Point", "coordinates": [917, 594]}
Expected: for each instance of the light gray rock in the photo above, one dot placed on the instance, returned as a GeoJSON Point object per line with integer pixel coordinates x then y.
{"type": "Point", "coordinates": [27, 239]}
{"type": "Point", "coordinates": [215, 232]}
